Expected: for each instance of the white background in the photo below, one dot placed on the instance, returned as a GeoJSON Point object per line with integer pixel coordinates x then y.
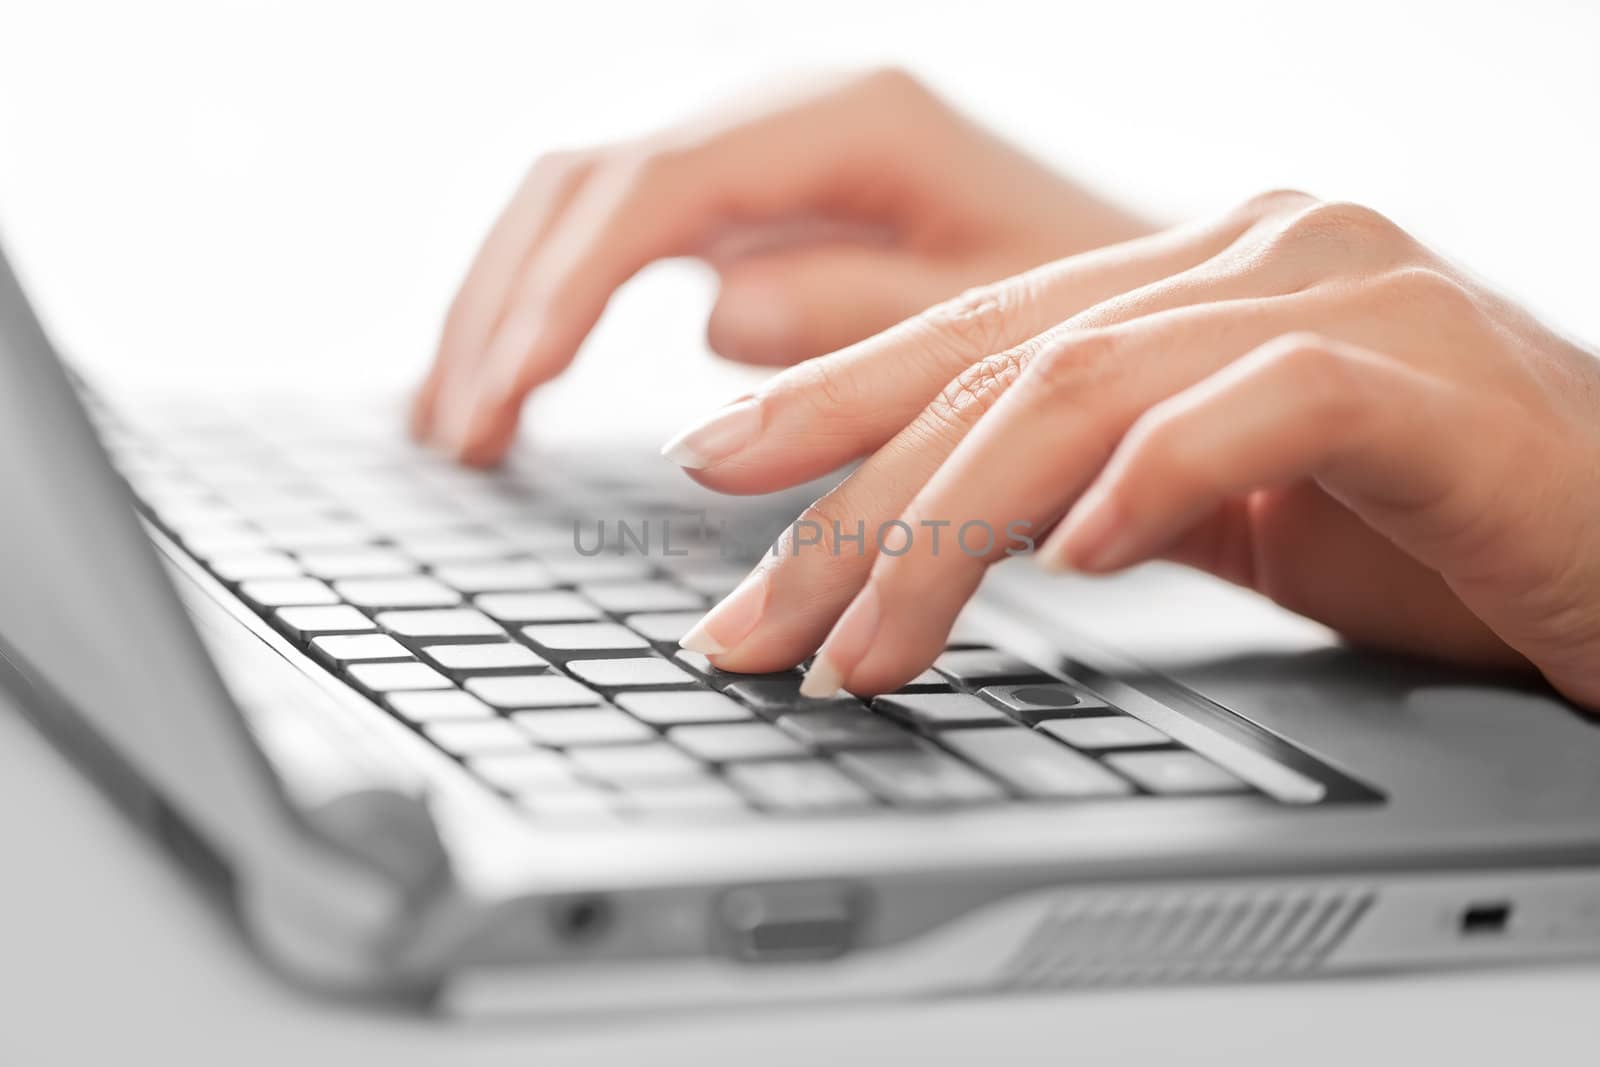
{"type": "Point", "coordinates": [226, 190]}
{"type": "Point", "coordinates": [220, 193]}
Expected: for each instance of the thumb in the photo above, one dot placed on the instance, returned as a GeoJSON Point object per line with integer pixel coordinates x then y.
{"type": "Point", "coordinates": [781, 307]}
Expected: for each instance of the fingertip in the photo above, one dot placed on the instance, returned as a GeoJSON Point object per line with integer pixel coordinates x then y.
{"type": "Point", "coordinates": [1050, 560]}
{"type": "Point", "coordinates": [419, 420]}
{"type": "Point", "coordinates": [485, 445]}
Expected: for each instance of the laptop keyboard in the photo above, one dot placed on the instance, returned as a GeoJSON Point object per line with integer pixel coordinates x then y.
{"type": "Point", "coordinates": [458, 602]}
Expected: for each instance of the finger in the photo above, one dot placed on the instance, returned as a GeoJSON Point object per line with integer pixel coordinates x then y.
{"type": "Point", "coordinates": [665, 198]}
{"type": "Point", "coordinates": [621, 219]}
{"type": "Point", "coordinates": [1403, 449]}
{"type": "Point", "coordinates": [781, 307]}
{"type": "Point", "coordinates": [546, 191]}
{"type": "Point", "coordinates": [1313, 555]}
{"type": "Point", "coordinates": [1298, 407]}
{"type": "Point", "coordinates": [1018, 467]}
{"type": "Point", "coordinates": [806, 591]}
{"type": "Point", "coordinates": [822, 414]}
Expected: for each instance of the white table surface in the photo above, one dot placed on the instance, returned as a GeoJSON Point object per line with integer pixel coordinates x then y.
{"type": "Point", "coordinates": [222, 193]}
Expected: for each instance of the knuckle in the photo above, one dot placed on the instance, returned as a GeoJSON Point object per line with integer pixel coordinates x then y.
{"type": "Point", "coordinates": [553, 169]}
{"type": "Point", "coordinates": [1343, 223]}
{"type": "Point", "coordinates": [891, 80]}
{"type": "Point", "coordinates": [1274, 203]}
{"type": "Point", "coordinates": [970, 394]}
{"type": "Point", "coordinates": [836, 510]}
{"type": "Point", "coordinates": [825, 386]}
{"type": "Point", "coordinates": [557, 162]}
{"type": "Point", "coordinates": [972, 323]}
{"type": "Point", "coordinates": [1429, 288]}
{"type": "Point", "coordinates": [1157, 444]}
{"type": "Point", "coordinates": [1326, 377]}
{"type": "Point", "coordinates": [639, 170]}
{"type": "Point", "coordinates": [1076, 361]}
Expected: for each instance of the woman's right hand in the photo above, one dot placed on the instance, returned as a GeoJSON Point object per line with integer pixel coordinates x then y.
{"type": "Point", "coordinates": [829, 215]}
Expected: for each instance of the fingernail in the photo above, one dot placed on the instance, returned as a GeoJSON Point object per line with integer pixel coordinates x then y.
{"type": "Point", "coordinates": [1089, 538]}
{"type": "Point", "coordinates": [845, 647]}
{"type": "Point", "coordinates": [716, 437]}
{"type": "Point", "coordinates": [731, 621]}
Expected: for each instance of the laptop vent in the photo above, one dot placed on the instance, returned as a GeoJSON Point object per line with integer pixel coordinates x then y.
{"type": "Point", "coordinates": [1157, 937]}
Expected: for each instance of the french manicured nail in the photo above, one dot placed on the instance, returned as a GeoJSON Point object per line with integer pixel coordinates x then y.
{"type": "Point", "coordinates": [716, 437]}
{"type": "Point", "coordinates": [731, 621]}
{"type": "Point", "coordinates": [845, 647]}
{"type": "Point", "coordinates": [1090, 537]}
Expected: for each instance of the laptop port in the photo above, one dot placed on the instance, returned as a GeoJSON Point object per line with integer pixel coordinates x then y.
{"type": "Point", "coordinates": [1490, 917]}
{"type": "Point", "coordinates": [580, 918]}
{"type": "Point", "coordinates": [789, 922]}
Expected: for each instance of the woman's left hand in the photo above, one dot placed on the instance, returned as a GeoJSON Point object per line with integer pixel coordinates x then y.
{"type": "Point", "coordinates": [1296, 396]}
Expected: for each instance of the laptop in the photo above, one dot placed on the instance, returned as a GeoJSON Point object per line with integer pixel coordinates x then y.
{"type": "Point", "coordinates": [429, 736]}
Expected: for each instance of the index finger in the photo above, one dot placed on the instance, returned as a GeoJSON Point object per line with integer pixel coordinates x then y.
{"type": "Point", "coordinates": [826, 412]}
{"type": "Point", "coordinates": [659, 199]}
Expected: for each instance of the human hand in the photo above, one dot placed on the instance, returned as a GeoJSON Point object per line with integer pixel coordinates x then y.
{"type": "Point", "coordinates": [829, 215]}
{"type": "Point", "coordinates": [1297, 397]}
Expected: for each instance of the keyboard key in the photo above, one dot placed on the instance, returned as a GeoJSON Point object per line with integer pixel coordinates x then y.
{"type": "Point", "coordinates": [724, 743]}
{"type": "Point", "coordinates": [583, 637]}
{"type": "Point", "coordinates": [844, 728]}
{"type": "Point", "coordinates": [521, 770]}
{"type": "Point", "coordinates": [1041, 701]}
{"type": "Point", "coordinates": [297, 534]}
{"type": "Point", "coordinates": [623, 597]}
{"type": "Point", "coordinates": [350, 648]}
{"type": "Point", "coordinates": [977, 667]}
{"type": "Point", "coordinates": [536, 607]}
{"type": "Point", "coordinates": [938, 711]}
{"type": "Point", "coordinates": [305, 623]}
{"type": "Point", "coordinates": [553, 535]}
{"type": "Point", "coordinates": [1105, 731]}
{"type": "Point", "coordinates": [210, 543]}
{"type": "Point", "coordinates": [387, 677]}
{"type": "Point", "coordinates": [444, 705]}
{"type": "Point", "coordinates": [461, 660]}
{"type": "Point", "coordinates": [495, 576]}
{"type": "Point", "coordinates": [1175, 772]}
{"type": "Point", "coordinates": [356, 563]}
{"type": "Point", "coordinates": [531, 691]}
{"type": "Point", "coordinates": [584, 726]}
{"type": "Point", "coordinates": [774, 694]}
{"type": "Point", "coordinates": [675, 708]}
{"type": "Point", "coordinates": [267, 504]}
{"type": "Point", "coordinates": [440, 623]}
{"type": "Point", "coordinates": [470, 737]}
{"type": "Point", "coordinates": [665, 627]}
{"type": "Point", "coordinates": [628, 764]}
{"type": "Point", "coordinates": [700, 665]}
{"type": "Point", "coordinates": [454, 547]}
{"type": "Point", "coordinates": [574, 569]}
{"type": "Point", "coordinates": [637, 672]}
{"type": "Point", "coordinates": [798, 785]}
{"type": "Point", "coordinates": [1034, 764]}
{"type": "Point", "coordinates": [706, 795]}
{"type": "Point", "coordinates": [928, 679]}
{"type": "Point", "coordinates": [919, 776]}
{"type": "Point", "coordinates": [240, 567]}
{"type": "Point", "coordinates": [418, 592]}
{"type": "Point", "coordinates": [263, 593]}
